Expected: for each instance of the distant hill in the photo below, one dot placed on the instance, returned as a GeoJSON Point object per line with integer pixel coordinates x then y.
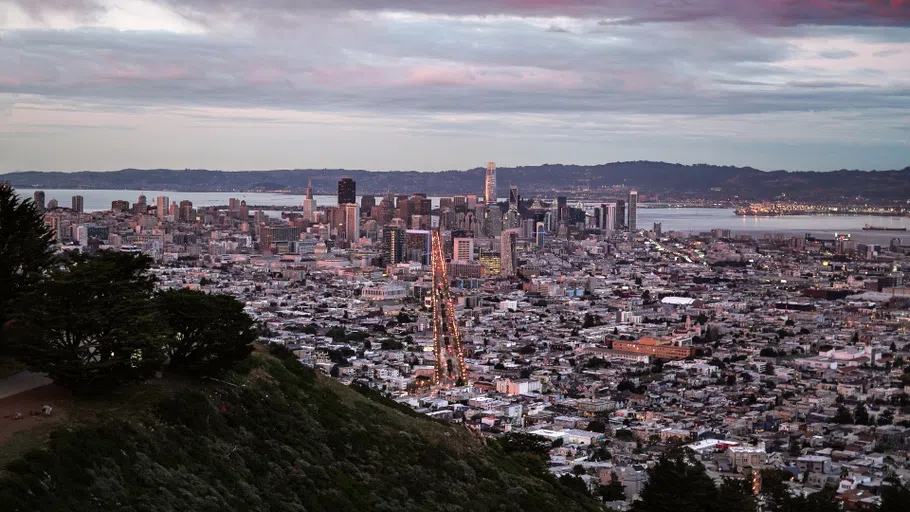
{"type": "Point", "coordinates": [276, 437]}
{"type": "Point", "coordinates": [659, 180]}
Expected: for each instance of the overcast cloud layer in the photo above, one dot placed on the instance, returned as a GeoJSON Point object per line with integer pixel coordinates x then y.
{"type": "Point", "coordinates": [407, 84]}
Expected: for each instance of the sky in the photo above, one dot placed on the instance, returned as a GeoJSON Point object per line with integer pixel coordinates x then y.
{"type": "Point", "coordinates": [452, 84]}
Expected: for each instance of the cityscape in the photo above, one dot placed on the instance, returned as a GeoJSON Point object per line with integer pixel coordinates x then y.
{"type": "Point", "coordinates": [567, 320]}
{"type": "Point", "coordinates": [463, 256]}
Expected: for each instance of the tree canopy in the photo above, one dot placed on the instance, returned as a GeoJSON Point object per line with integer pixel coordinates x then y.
{"type": "Point", "coordinates": [208, 332]}
{"type": "Point", "coordinates": [89, 325]}
{"type": "Point", "coordinates": [26, 247]}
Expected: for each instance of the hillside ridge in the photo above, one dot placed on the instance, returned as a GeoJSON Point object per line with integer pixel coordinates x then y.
{"type": "Point", "coordinates": [277, 436]}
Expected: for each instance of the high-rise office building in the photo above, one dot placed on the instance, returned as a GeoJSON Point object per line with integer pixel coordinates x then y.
{"type": "Point", "coordinates": [39, 200]}
{"type": "Point", "coordinates": [463, 249]}
{"type": "Point", "coordinates": [347, 191]}
{"type": "Point", "coordinates": [162, 206]}
{"type": "Point", "coordinates": [404, 209]}
{"type": "Point", "coordinates": [562, 209]}
{"type": "Point", "coordinates": [471, 200]}
{"type": "Point", "coordinates": [309, 204]}
{"type": "Point", "coordinates": [620, 215]}
{"type": "Point", "coordinates": [78, 204]}
{"type": "Point", "coordinates": [513, 196]}
{"type": "Point", "coordinates": [417, 246]}
{"type": "Point", "coordinates": [186, 213]}
{"type": "Point", "coordinates": [367, 202]}
{"type": "Point", "coordinates": [420, 205]}
{"type": "Point", "coordinates": [633, 210]}
{"type": "Point", "coordinates": [658, 229]}
{"type": "Point", "coordinates": [120, 206]}
{"type": "Point", "coordinates": [507, 252]}
{"type": "Point", "coordinates": [489, 189]}
{"type": "Point", "coordinates": [140, 207]}
{"type": "Point", "coordinates": [607, 218]}
{"type": "Point", "coordinates": [393, 245]}
{"type": "Point", "coordinates": [351, 222]}
{"type": "Point", "coordinates": [493, 221]}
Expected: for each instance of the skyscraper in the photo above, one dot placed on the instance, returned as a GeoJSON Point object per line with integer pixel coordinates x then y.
{"type": "Point", "coordinates": [393, 245]}
{"type": "Point", "coordinates": [367, 202]}
{"type": "Point", "coordinates": [513, 196]}
{"type": "Point", "coordinates": [489, 189]}
{"type": "Point", "coordinates": [351, 222]}
{"type": "Point", "coordinates": [607, 218]}
{"type": "Point", "coordinates": [507, 254]}
{"type": "Point", "coordinates": [347, 191]}
{"type": "Point", "coordinates": [39, 200]}
{"type": "Point", "coordinates": [78, 204]}
{"type": "Point", "coordinates": [186, 213]}
{"type": "Point", "coordinates": [493, 221]}
{"type": "Point", "coordinates": [633, 210]}
{"type": "Point", "coordinates": [140, 207]}
{"type": "Point", "coordinates": [620, 215]}
{"type": "Point", "coordinates": [162, 206]}
{"type": "Point", "coordinates": [309, 204]}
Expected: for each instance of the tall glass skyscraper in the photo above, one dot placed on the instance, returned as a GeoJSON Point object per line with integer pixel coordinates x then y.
{"type": "Point", "coordinates": [347, 191]}
{"type": "Point", "coordinates": [633, 210]}
{"type": "Point", "coordinates": [489, 189]}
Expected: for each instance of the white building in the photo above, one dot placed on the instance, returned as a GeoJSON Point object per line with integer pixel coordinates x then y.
{"type": "Point", "coordinates": [463, 249]}
{"type": "Point", "coordinates": [391, 291]}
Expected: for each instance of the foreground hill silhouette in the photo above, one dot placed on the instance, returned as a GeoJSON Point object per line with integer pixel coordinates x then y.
{"type": "Point", "coordinates": [274, 436]}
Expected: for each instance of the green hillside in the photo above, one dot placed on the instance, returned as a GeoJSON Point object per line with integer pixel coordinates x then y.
{"type": "Point", "coordinates": [276, 437]}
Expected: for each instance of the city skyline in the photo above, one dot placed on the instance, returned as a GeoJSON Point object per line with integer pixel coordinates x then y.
{"type": "Point", "coordinates": [151, 84]}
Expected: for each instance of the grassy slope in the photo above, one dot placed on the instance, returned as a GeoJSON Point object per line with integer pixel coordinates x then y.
{"type": "Point", "coordinates": [283, 439]}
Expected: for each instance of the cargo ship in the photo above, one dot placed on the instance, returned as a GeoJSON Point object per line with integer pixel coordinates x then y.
{"type": "Point", "coordinates": [881, 228]}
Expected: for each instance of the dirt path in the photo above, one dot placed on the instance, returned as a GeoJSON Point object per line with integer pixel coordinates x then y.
{"type": "Point", "coordinates": [28, 404]}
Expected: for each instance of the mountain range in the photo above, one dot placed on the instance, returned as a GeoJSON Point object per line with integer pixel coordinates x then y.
{"type": "Point", "coordinates": [654, 180]}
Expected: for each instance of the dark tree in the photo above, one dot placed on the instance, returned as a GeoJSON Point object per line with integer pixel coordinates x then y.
{"type": "Point", "coordinates": [337, 334]}
{"type": "Point", "coordinates": [527, 349]}
{"type": "Point", "coordinates": [678, 482]}
{"type": "Point", "coordinates": [895, 496]}
{"type": "Point", "coordinates": [886, 417]}
{"type": "Point", "coordinates": [590, 321]}
{"type": "Point", "coordinates": [861, 415]}
{"type": "Point", "coordinates": [777, 497]}
{"type": "Point", "coordinates": [843, 416]}
{"type": "Point", "coordinates": [575, 483]}
{"type": "Point", "coordinates": [613, 491]}
{"type": "Point", "coordinates": [516, 442]}
{"type": "Point", "coordinates": [209, 333]}
{"type": "Point", "coordinates": [597, 426]}
{"type": "Point", "coordinates": [26, 248]}
{"type": "Point", "coordinates": [736, 495]}
{"type": "Point", "coordinates": [90, 326]}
